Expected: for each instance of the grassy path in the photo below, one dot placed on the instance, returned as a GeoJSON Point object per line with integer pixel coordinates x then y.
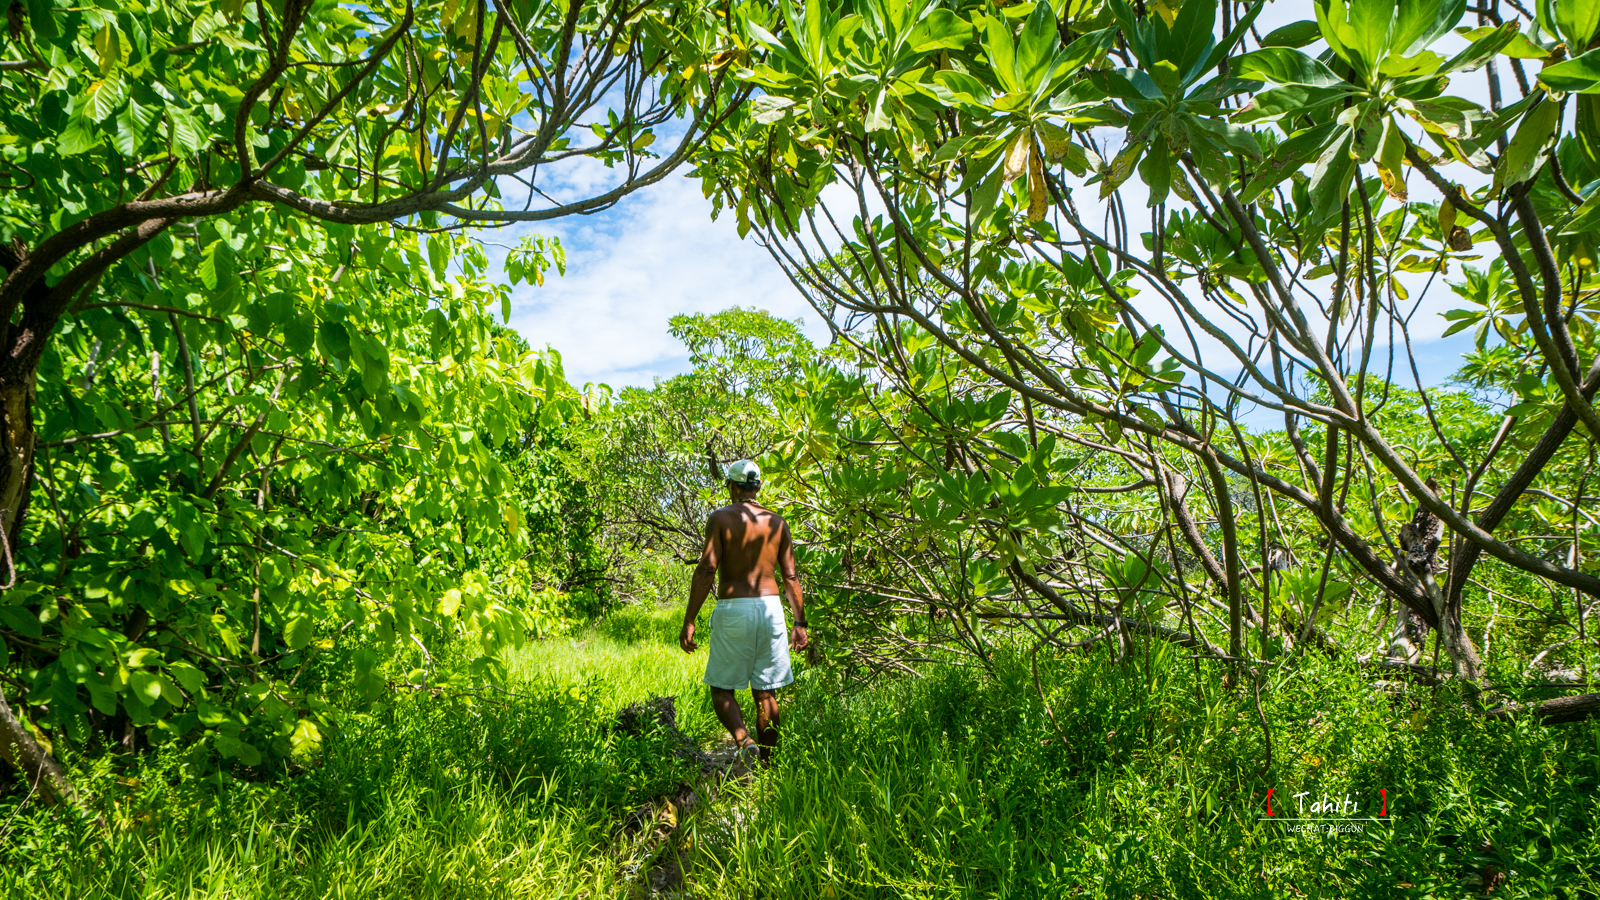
{"type": "Point", "coordinates": [1147, 783]}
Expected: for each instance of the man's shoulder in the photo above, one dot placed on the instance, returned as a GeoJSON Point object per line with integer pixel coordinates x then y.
{"type": "Point", "coordinates": [734, 511]}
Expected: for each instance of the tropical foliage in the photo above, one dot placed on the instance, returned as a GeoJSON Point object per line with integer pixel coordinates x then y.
{"type": "Point", "coordinates": [252, 398]}
{"type": "Point", "coordinates": [1133, 295]}
{"type": "Point", "coordinates": [1125, 449]}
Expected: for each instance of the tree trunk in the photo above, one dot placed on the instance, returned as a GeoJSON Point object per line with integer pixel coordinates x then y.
{"type": "Point", "coordinates": [1230, 553]}
{"type": "Point", "coordinates": [1419, 541]}
{"type": "Point", "coordinates": [19, 748]}
{"type": "Point", "coordinates": [16, 464]}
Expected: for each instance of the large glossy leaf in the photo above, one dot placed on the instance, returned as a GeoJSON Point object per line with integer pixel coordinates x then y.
{"type": "Point", "coordinates": [1036, 47]}
{"type": "Point", "coordinates": [1524, 152]}
{"type": "Point", "coordinates": [939, 30]}
{"type": "Point", "coordinates": [1274, 103]}
{"type": "Point", "coordinates": [1294, 34]}
{"type": "Point", "coordinates": [1330, 179]}
{"type": "Point", "coordinates": [1575, 21]}
{"type": "Point", "coordinates": [1278, 65]}
{"type": "Point", "coordinates": [1580, 74]}
{"type": "Point", "coordinates": [1418, 23]}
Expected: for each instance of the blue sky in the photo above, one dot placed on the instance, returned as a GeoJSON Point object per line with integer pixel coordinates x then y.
{"type": "Point", "coordinates": [632, 268]}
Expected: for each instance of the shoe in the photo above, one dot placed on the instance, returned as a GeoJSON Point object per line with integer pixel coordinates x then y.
{"type": "Point", "coordinates": [750, 753]}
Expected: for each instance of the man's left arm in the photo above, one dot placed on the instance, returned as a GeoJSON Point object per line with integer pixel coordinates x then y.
{"type": "Point", "coordinates": [798, 638]}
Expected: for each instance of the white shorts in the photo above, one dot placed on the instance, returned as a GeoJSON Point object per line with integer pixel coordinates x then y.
{"type": "Point", "coordinates": [749, 645]}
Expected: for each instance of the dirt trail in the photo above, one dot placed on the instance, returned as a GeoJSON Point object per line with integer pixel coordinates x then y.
{"type": "Point", "coordinates": [654, 835]}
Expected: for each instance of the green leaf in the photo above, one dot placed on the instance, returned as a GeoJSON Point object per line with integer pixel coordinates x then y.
{"type": "Point", "coordinates": [963, 87]}
{"type": "Point", "coordinates": [186, 133]}
{"type": "Point", "coordinates": [306, 740]}
{"type": "Point", "coordinates": [1121, 168]}
{"type": "Point", "coordinates": [1002, 53]}
{"type": "Point", "coordinates": [144, 686]}
{"type": "Point", "coordinates": [191, 678]}
{"type": "Point", "coordinates": [130, 135]}
{"type": "Point", "coordinates": [1358, 31]}
{"type": "Point", "coordinates": [1036, 46]}
{"type": "Point", "coordinates": [105, 96]}
{"type": "Point", "coordinates": [108, 47]}
{"type": "Point", "coordinates": [1280, 65]}
{"type": "Point", "coordinates": [298, 632]}
{"type": "Point", "coordinates": [1273, 104]}
{"type": "Point", "coordinates": [1523, 154]}
{"type": "Point", "coordinates": [1302, 147]}
{"type": "Point", "coordinates": [42, 19]}
{"type": "Point", "coordinates": [78, 137]}
{"type": "Point", "coordinates": [767, 109]}
{"type": "Point", "coordinates": [878, 118]}
{"type": "Point", "coordinates": [299, 336]}
{"type": "Point", "coordinates": [1481, 50]}
{"type": "Point", "coordinates": [1330, 180]}
{"type": "Point", "coordinates": [1519, 47]}
{"type": "Point", "coordinates": [1294, 34]}
{"type": "Point", "coordinates": [1390, 157]}
{"type": "Point", "coordinates": [941, 29]}
{"type": "Point", "coordinates": [333, 341]}
{"type": "Point", "coordinates": [1156, 171]}
{"type": "Point", "coordinates": [1418, 23]}
{"type": "Point", "coordinates": [22, 621]}
{"type": "Point", "coordinates": [1574, 20]}
{"type": "Point", "coordinates": [1581, 74]}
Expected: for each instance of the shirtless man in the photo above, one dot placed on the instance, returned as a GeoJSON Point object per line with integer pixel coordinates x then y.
{"type": "Point", "coordinates": [746, 546]}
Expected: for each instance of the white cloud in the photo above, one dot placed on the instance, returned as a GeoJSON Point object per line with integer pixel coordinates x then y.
{"type": "Point", "coordinates": [631, 269]}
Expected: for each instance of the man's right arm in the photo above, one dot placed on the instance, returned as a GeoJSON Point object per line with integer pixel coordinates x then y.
{"type": "Point", "coordinates": [705, 577]}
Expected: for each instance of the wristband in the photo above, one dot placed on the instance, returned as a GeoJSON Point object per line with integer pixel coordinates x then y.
{"type": "Point", "coordinates": [800, 623]}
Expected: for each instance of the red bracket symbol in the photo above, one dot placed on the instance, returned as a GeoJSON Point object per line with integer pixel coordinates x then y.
{"type": "Point", "coordinates": [1269, 800]}
{"type": "Point", "coordinates": [1385, 794]}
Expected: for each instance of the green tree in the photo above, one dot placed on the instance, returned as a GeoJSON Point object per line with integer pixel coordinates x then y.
{"type": "Point", "coordinates": [661, 451]}
{"type": "Point", "coordinates": [227, 239]}
{"type": "Point", "coordinates": [924, 171]}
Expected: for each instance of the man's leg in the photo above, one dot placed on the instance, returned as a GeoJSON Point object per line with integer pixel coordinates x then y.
{"type": "Point", "coordinates": [728, 712]}
{"type": "Point", "coordinates": [766, 721]}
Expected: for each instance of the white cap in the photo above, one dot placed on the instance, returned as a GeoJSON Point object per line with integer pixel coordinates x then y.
{"type": "Point", "coordinates": [745, 474]}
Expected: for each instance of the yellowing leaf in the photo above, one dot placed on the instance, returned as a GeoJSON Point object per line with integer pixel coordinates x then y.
{"type": "Point", "coordinates": [1390, 157]}
{"type": "Point", "coordinates": [1053, 139]}
{"type": "Point", "coordinates": [1038, 190]}
{"type": "Point", "coordinates": [1017, 156]}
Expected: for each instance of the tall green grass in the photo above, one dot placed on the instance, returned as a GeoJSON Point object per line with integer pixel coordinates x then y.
{"type": "Point", "coordinates": [1144, 777]}
{"type": "Point", "coordinates": [1151, 782]}
{"type": "Point", "coordinates": [514, 794]}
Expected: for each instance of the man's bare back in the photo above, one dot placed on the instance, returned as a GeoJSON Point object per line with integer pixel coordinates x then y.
{"type": "Point", "coordinates": [747, 544]}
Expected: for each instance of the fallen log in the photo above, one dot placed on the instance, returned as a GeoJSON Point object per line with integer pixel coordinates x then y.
{"type": "Point", "coordinates": [1551, 712]}
{"type": "Point", "coordinates": [662, 712]}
